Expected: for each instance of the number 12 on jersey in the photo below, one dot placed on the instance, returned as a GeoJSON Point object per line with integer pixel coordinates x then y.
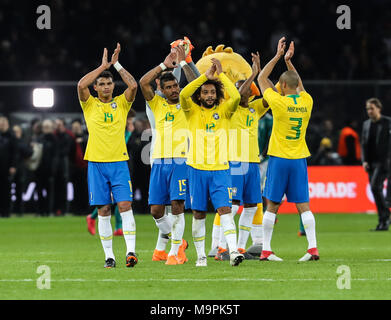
{"type": "Point", "coordinates": [296, 127]}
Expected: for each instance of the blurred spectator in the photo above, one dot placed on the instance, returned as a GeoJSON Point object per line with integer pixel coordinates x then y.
{"type": "Point", "coordinates": [328, 131]}
{"type": "Point", "coordinates": [23, 151]}
{"type": "Point", "coordinates": [129, 141]}
{"type": "Point", "coordinates": [325, 155]}
{"type": "Point", "coordinates": [44, 175]}
{"type": "Point", "coordinates": [139, 145]}
{"type": "Point", "coordinates": [36, 130]}
{"type": "Point", "coordinates": [78, 170]}
{"type": "Point", "coordinates": [376, 156]}
{"type": "Point", "coordinates": [314, 136]}
{"type": "Point", "coordinates": [66, 141]}
{"type": "Point", "coordinates": [8, 164]}
{"type": "Point", "coordinates": [349, 148]}
{"type": "Point", "coordinates": [79, 134]}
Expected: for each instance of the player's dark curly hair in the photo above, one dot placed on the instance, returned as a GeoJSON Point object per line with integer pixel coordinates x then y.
{"type": "Point", "coordinates": [104, 74]}
{"type": "Point", "coordinates": [196, 97]}
{"type": "Point", "coordinates": [165, 77]}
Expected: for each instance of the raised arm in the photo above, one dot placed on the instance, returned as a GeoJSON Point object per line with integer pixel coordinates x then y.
{"type": "Point", "coordinates": [131, 90]}
{"type": "Point", "coordinates": [233, 93]}
{"type": "Point", "coordinates": [82, 86]}
{"type": "Point", "coordinates": [288, 61]}
{"type": "Point", "coordinates": [274, 87]}
{"type": "Point", "coordinates": [181, 54]}
{"type": "Point", "coordinates": [145, 81]}
{"type": "Point", "coordinates": [263, 80]}
{"type": "Point", "coordinates": [256, 67]}
{"type": "Point", "coordinates": [192, 87]}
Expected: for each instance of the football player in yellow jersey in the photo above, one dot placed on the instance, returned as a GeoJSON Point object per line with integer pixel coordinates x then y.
{"type": "Point", "coordinates": [106, 153]}
{"type": "Point", "coordinates": [287, 169]}
{"type": "Point", "coordinates": [244, 159]}
{"type": "Point", "coordinates": [208, 118]}
{"type": "Point", "coordinates": [169, 172]}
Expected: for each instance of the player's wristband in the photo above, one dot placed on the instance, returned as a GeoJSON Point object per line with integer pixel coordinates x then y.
{"type": "Point", "coordinates": [163, 66]}
{"type": "Point", "coordinates": [117, 66]}
{"type": "Point", "coordinates": [183, 63]}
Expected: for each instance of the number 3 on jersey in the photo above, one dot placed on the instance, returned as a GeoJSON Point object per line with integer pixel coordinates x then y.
{"type": "Point", "coordinates": [296, 128]}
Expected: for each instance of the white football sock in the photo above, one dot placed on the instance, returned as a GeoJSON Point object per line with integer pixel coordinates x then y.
{"type": "Point", "coordinates": [129, 230]}
{"type": "Point", "coordinates": [164, 224]}
{"type": "Point", "coordinates": [215, 236]}
{"type": "Point", "coordinates": [257, 234]}
{"type": "Point", "coordinates": [222, 241]}
{"type": "Point", "coordinates": [162, 241]}
{"type": "Point", "coordinates": [228, 225]}
{"type": "Point", "coordinates": [245, 222]}
{"type": "Point", "coordinates": [198, 232]}
{"type": "Point", "coordinates": [268, 224]}
{"type": "Point", "coordinates": [309, 226]}
{"type": "Point", "coordinates": [106, 235]}
{"type": "Point", "coordinates": [178, 227]}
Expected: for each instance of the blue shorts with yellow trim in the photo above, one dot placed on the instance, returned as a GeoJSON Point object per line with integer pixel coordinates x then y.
{"type": "Point", "coordinates": [287, 176]}
{"type": "Point", "coordinates": [168, 181]}
{"type": "Point", "coordinates": [106, 179]}
{"type": "Point", "coordinates": [204, 184]}
{"type": "Point", "coordinates": [246, 182]}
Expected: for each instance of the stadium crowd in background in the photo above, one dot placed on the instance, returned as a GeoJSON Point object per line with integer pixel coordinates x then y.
{"type": "Point", "coordinates": [50, 152]}
{"type": "Point", "coordinates": [370, 60]}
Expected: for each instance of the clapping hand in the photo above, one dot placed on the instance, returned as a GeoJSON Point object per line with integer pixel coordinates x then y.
{"type": "Point", "coordinates": [281, 47]}
{"type": "Point", "coordinates": [114, 57]}
{"type": "Point", "coordinates": [105, 63]}
{"type": "Point", "coordinates": [170, 60]}
{"type": "Point", "coordinates": [291, 50]}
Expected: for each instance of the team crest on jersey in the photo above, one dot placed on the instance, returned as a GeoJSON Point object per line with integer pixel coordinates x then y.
{"type": "Point", "coordinates": [234, 191]}
{"type": "Point", "coordinates": [114, 105]}
{"type": "Point", "coordinates": [216, 116]}
{"type": "Point", "coordinates": [252, 110]}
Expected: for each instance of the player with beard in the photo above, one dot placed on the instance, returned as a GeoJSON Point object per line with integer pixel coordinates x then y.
{"type": "Point", "coordinates": [208, 116]}
{"type": "Point", "coordinates": [244, 158]}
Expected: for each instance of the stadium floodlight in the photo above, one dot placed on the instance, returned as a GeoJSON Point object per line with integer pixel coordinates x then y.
{"type": "Point", "coordinates": [43, 97]}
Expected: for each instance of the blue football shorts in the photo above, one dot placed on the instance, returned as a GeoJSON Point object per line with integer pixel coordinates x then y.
{"type": "Point", "coordinates": [168, 181]}
{"type": "Point", "coordinates": [109, 182]}
{"type": "Point", "coordinates": [246, 182]}
{"type": "Point", "coordinates": [287, 176]}
{"type": "Point", "coordinates": [213, 185]}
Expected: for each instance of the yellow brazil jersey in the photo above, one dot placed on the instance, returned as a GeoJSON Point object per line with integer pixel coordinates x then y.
{"type": "Point", "coordinates": [291, 115]}
{"type": "Point", "coordinates": [106, 123]}
{"type": "Point", "coordinates": [171, 129]}
{"type": "Point", "coordinates": [208, 127]}
{"type": "Point", "coordinates": [243, 133]}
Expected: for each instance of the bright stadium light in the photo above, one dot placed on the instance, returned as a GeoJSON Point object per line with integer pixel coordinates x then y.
{"type": "Point", "coordinates": [43, 97]}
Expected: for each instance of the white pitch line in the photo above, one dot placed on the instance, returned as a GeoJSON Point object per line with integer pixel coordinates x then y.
{"type": "Point", "coordinates": [183, 280]}
{"type": "Point", "coordinates": [381, 260]}
{"type": "Point", "coordinates": [95, 261]}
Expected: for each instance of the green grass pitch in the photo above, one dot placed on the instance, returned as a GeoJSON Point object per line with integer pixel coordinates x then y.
{"type": "Point", "coordinates": [76, 259]}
